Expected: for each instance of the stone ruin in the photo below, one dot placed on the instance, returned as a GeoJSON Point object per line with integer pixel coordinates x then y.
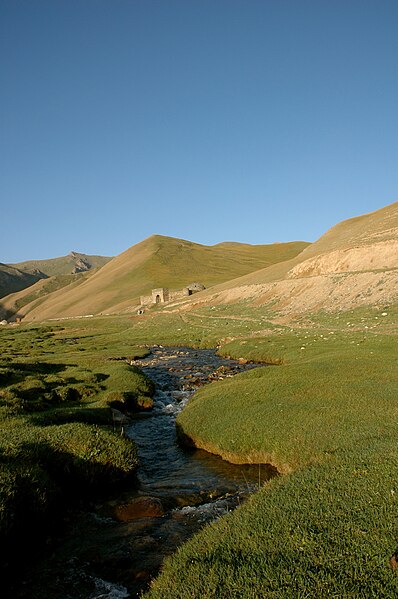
{"type": "Point", "coordinates": [162, 295]}
{"type": "Point", "coordinates": [193, 288]}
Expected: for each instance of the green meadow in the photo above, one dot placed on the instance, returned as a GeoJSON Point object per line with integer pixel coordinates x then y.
{"type": "Point", "coordinates": [325, 413]}
{"type": "Point", "coordinates": [323, 409]}
{"type": "Point", "coordinates": [57, 443]}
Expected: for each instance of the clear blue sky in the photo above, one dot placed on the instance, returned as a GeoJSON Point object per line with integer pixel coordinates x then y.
{"type": "Point", "coordinates": [211, 120]}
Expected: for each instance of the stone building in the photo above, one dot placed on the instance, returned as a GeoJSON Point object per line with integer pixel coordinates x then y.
{"type": "Point", "coordinates": [193, 288]}
{"type": "Point", "coordinates": [160, 296]}
{"type": "Point", "coordinates": [163, 295]}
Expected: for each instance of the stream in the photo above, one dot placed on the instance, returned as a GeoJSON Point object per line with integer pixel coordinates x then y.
{"type": "Point", "coordinates": [114, 550]}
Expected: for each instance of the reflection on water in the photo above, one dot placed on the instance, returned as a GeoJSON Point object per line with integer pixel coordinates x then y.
{"type": "Point", "coordinates": [103, 557]}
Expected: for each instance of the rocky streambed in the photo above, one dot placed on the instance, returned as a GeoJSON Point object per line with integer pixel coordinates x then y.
{"type": "Point", "coordinates": [114, 550]}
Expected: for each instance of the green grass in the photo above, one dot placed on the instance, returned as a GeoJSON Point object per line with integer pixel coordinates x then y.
{"type": "Point", "coordinates": [326, 416]}
{"type": "Point", "coordinates": [57, 445]}
{"type": "Point", "coordinates": [325, 413]}
{"type": "Point", "coordinates": [46, 470]}
{"type": "Point", "coordinates": [325, 531]}
{"type": "Point", "coordinates": [203, 328]}
{"type": "Point", "coordinates": [335, 392]}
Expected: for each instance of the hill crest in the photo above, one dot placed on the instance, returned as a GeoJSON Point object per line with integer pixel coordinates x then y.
{"type": "Point", "coordinates": [157, 261]}
{"type": "Point", "coordinates": [73, 263]}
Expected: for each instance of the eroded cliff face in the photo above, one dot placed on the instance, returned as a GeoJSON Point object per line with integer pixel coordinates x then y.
{"type": "Point", "coordinates": [376, 256]}
{"type": "Point", "coordinates": [329, 292]}
{"type": "Point", "coordinates": [354, 264]}
{"type": "Point", "coordinates": [81, 263]}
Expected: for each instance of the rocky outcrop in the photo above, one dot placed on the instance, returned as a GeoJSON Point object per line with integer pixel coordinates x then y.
{"type": "Point", "coordinates": [82, 264]}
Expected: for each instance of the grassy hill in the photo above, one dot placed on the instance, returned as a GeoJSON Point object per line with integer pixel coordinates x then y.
{"type": "Point", "coordinates": [12, 305]}
{"type": "Point", "coordinates": [12, 279]}
{"type": "Point", "coordinates": [21, 275]}
{"type": "Point", "coordinates": [158, 262]}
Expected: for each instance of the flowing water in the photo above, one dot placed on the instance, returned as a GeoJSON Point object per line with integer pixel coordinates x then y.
{"type": "Point", "coordinates": [115, 550]}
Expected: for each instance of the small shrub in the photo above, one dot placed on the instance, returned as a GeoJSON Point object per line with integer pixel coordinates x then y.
{"type": "Point", "coordinates": [14, 403]}
{"type": "Point", "coordinates": [66, 393]}
{"type": "Point", "coordinates": [129, 401]}
{"type": "Point", "coordinates": [144, 402]}
{"type": "Point", "coordinates": [85, 391]}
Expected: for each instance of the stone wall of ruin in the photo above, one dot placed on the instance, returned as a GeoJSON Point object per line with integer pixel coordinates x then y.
{"type": "Point", "coordinates": [148, 300]}
{"type": "Point", "coordinates": [175, 295]}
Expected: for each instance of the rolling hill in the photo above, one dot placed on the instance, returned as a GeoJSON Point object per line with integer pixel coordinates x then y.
{"type": "Point", "coordinates": [354, 263]}
{"type": "Point", "coordinates": [12, 279]}
{"type": "Point", "coordinates": [21, 275]}
{"type": "Point", "coordinates": [155, 262]}
{"type": "Point", "coordinates": [12, 305]}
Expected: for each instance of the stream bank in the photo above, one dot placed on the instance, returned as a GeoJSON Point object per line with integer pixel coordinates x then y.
{"type": "Point", "coordinates": [114, 550]}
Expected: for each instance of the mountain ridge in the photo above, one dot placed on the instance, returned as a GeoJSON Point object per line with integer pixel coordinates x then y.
{"type": "Point", "coordinates": [73, 263]}
{"type": "Point", "coordinates": [157, 261]}
{"type": "Point", "coordinates": [354, 263]}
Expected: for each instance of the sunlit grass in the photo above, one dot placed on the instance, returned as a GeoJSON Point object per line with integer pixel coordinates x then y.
{"type": "Point", "coordinates": [325, 413]}
{"type": "Point", "coordinates": [57, 444]}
